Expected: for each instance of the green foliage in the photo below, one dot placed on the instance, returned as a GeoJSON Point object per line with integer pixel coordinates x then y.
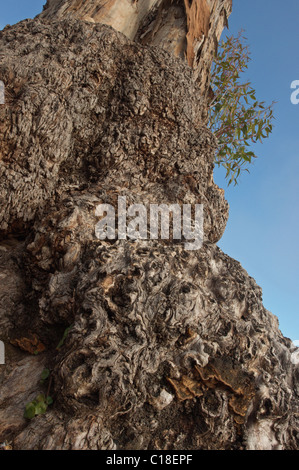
{"type": "Point", "coordinates": [61, 342]}
{"type": "Point", "coordinates": [38, 406]}
{"type": "Point", "coordinates": [235, 116]}
{"type": "Point", "coordinates": [45, 375]}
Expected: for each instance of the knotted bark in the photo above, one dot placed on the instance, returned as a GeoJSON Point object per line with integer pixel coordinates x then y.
{"type": "Point", "coordinates": [150, 346]}
{"type": "Point", "coordinates": [189, 29]}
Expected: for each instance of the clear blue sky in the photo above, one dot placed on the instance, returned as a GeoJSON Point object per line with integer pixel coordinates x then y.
{"type": "Point", "coordinates": [263, 228]}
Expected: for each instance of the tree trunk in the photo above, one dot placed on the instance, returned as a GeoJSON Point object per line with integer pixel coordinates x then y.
{"type": "Point", "coordinates": [149, 345]}
{"type": "Point", "coordinates": [189, 29]}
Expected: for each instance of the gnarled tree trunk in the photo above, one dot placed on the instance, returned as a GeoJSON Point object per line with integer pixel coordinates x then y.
{"type": "Point", "coordinates": [189, 29]}
{"type": "Point", "coordinates": [164, 348]}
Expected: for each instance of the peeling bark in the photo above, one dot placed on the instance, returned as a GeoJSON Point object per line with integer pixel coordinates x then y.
{"type": "Point", "coordinates": [198, 19]}
{"type": "Point", "coordinates": [189, 29]}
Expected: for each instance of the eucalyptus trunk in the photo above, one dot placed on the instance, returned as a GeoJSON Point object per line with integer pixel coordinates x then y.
{"type": "Point", "coordinates": [148, 345]}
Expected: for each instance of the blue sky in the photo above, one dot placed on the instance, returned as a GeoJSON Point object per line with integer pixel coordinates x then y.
{"type": "Point", "coordinates": [263, 228]}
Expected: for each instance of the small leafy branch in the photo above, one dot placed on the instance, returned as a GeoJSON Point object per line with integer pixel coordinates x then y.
{"type": "Point", "coordinates": [235, 116]}
{"type": "Point", "coordinates": [40, 404]}
{"type": "Point", "coordinates": [65, 335]}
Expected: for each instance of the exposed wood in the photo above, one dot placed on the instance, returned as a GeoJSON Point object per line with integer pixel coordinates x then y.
{"type": "Point", "coordinates": [198, 19]}
{"type": "Point", "coordinates": [185, 28]}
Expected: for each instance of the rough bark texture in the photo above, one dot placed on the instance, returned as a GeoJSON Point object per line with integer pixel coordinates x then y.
{"type": "Point", "coordinates": [168, 348]}
{"type": "Point", "coordinates": [189, 29]}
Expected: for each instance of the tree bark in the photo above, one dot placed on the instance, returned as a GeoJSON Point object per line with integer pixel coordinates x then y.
{"type": "Point", "coordinates": [149, 345]}
{"type": "Point", "coordinates": [189, 29]}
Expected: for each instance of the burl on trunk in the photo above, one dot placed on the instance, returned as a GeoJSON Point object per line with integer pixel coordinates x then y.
{"type": "Point", "coordinates": [148, 345]}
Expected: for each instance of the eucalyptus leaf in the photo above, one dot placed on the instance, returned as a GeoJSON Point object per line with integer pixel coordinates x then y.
{"type": "Point", "coordinates": [235, 115]}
